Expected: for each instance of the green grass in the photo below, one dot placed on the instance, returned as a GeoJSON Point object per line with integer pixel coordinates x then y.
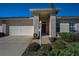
{"type": "Point", "coordinates": [73, 50]}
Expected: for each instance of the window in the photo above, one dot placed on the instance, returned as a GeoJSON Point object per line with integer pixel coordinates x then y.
{"type": "Point", "coordinates": [72, 27]}
{"type": "Point", "coordinates": [57, 25]}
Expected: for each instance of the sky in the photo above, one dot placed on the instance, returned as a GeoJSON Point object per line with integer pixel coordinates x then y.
{"type": "Point", "coordinates": [22, 9]}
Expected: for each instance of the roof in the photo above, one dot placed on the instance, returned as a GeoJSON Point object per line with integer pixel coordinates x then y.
{"type": "Point", "coordinates": [68, 17]}
{"type": "Point", "coordinates": [18, 18]}
{"type": "Point", "coordinates": [37, 9]}
{"type": "Point", "coordinates": [44, 10]}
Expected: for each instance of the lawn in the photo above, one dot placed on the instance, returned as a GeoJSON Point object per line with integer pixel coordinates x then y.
{"type": "Point", "coordinates": [73, 50]}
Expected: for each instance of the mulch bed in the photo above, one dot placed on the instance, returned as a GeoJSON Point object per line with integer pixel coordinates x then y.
{"type": "Point", "coordinates": [31, 53]}
{"type": "Point", "coordinates": [39, 52]}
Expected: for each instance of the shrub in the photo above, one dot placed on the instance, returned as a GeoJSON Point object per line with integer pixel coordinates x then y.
{"type": "Point", "coordinates": [31, 50]}
{"type": "Point", "coordinates": [44, 49]}
{"type": "Point", "coordinates": [60, 44]}
{"type": "Point", "coordinates": [33, 47]}
{"type": "Point", "coordinates": [53, 53]}
{"type": "Point", "coordinates": [63, 52]}
{"type": "Point", "coordinates": [43, 52]}
{"type": "Point", "coordinates": [31, 53]}
{"type": "Point", "coordinates": [75, 36]}
{"type": "Point", "coordinates": [52, 39]}
{"type": "Point", "coordinates": [65, 36]}
{"type": "Point", "coordinates": [35, 36]}
{"type": "Point", "coordinates": [69, 37]}
{"type": "Point", "coordinates": [2, 34]}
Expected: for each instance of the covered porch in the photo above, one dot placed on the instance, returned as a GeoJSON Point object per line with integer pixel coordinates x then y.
{"type": "Point", "coordinates": [48, 19]}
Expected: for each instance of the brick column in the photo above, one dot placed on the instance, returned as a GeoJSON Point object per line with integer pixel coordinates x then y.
{"type": "Point", "coordinates": [52, 26]}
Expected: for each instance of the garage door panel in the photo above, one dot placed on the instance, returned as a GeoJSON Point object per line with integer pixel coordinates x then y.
{"type": "Point", "coordinates": [21, 30]}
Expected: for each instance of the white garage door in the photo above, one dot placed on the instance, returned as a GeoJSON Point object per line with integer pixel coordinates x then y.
{"type": "Point", "coordinates": [21, 30]}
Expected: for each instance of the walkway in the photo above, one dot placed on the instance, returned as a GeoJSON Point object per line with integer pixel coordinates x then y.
{"type": "Point", "coordinates": [45, 40]}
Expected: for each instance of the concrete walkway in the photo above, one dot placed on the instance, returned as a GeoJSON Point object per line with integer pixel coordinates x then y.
{"type": "Point", "coordinates": [14, 45]}
{"type": "Point", "coordinates": [45, 40]}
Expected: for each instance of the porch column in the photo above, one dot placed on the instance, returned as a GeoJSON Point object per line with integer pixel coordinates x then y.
{"type": "Point", "coordinates": [36, 24]}
{"type": "Point", "coordinates": [52, 26]}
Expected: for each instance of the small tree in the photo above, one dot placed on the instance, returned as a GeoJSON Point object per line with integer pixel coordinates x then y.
{"type": "Point", "coordinates": [53, 8]}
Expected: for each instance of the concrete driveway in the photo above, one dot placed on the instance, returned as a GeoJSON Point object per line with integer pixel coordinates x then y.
{"type": "Point", "coordinates": [14, 45]}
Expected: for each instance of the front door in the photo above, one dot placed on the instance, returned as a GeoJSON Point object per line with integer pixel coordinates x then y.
{"type": "Point", "coordinates": [44, 27]}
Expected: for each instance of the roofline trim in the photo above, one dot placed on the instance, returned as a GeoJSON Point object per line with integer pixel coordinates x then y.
{"type": "Point", "coordinates": [37, 9]}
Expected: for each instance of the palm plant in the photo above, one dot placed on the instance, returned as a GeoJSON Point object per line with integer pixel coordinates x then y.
{"type": "Point", "coordinates": [52, 5]}
{"type": "Point", "coordinates": [53, 8]}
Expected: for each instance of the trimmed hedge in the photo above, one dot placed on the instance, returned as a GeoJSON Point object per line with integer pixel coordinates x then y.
{"type": "Point", "coordinates": [60, 44]}
{"type": "Point", "coordinates": [75, 37]}
{"type": "Point", "coordinates": [69, 37]}
{"type": "Point", "coordinates": [33, 47]}
{"type": "Point", "coordinates": [65, 36]}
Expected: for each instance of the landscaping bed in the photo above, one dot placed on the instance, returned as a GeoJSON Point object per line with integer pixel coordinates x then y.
{"type": "Point", "coordinates": [35, 49]}
{"type": "Point", "coordinates": [69, 37]}
{"type": "Point", "coordinates": [66, 45]}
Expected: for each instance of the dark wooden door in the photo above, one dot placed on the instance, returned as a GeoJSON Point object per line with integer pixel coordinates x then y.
{"type": "Point", "coordinates": [44, 28]}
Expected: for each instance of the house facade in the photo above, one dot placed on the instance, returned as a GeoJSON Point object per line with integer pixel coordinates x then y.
{"type": "Point", "coordinates": [68, 24]}
{"type": "Point", "coordinates": [50, 23]}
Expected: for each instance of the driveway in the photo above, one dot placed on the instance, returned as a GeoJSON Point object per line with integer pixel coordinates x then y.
{"type": "Point", "coordinates": [14, 45]}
